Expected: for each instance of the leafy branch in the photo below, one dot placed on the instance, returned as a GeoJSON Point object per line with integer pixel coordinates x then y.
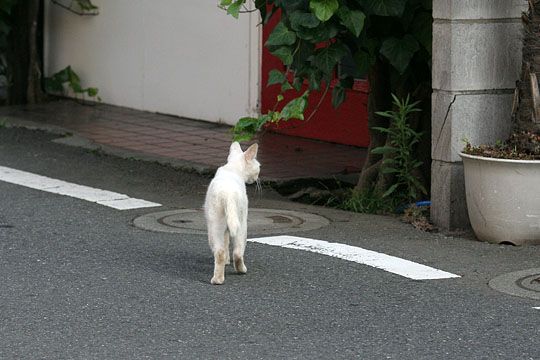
{"type": "Point", "coordinates": [313, 37]}
{"type": "Point", "coordinates": [67, 77]}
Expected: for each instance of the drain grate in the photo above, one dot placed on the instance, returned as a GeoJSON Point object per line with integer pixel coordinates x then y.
{"type": "Point", "coordinates": [524, 283]}
{"type": "Point", "coordinates": [260, 221]}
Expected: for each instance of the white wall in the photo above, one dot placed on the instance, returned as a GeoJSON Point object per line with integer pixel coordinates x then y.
{"type": "Point", "coordinates": [181, 57]}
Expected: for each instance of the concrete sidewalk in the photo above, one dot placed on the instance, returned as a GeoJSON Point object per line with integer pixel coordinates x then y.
{"type": "Point", "coordinates": [182, 142]}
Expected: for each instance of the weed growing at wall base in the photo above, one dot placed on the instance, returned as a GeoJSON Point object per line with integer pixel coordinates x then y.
{"type": "Point", "coordinates": [400, 161]}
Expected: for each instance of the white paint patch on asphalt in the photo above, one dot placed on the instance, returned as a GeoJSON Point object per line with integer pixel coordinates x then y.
{"type": "Point", "coordinates": [536, 307]}
{"type": "Point", "coordinates": [44, 183]}
{"type": "Point", "coordinates": [406, 268]}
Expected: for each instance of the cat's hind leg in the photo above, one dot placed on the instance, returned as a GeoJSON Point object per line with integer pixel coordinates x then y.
{"type": "Point", "coordinates": [217, 244]}
{"type": "Point", "coordinates": [239, 248]}
{"type": "Point", "coordinates": [219, 267]}
{"type": "Point", "coordinates": [227, 251]}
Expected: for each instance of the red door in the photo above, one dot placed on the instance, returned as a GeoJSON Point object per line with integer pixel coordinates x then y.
{"type": "Point", "coordinates": [344, 125]}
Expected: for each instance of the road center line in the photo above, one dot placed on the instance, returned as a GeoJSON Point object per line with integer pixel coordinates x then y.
{"type": "Point", "coordinates": [406, 268]}
{"type": "Point", "coordinates": [44, 183]}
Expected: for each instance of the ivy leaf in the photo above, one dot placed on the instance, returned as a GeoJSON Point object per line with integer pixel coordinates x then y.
{"type": "Point", "coordinates": [225, 2]}
{"type": "Point", "coordinates": [323, 32]}
{"type": "Point", "coordinates": [421, 29]}
{"type": "Point", "coordinates": [234, 8]}
{"type": "Point", "coordinates": [289, 5]}
{"type": "Point", "coordinates": [327, 58]}
{"type": "Point", "coordinates": [338, 96]}
{"type": "Point", "coordinates": [323, 9]}
{"type": "Point", "coordinates": [363, 61]}
{"type": "Point", "coordinates": [246, 125]}
{"type": "Point", "coordinates": [297, 83]}
{"type": "Point", "coordinates": [92, 91]}
{"type": "Point", "coordinates": [284, 53]}
{"type": "Point", "coordinates": [314, 80]}
{"type": "Point", "coordinates": [385, 7]}
{"type": "Point", "coordinates": [300, 19]}
{"type": "Point", "coordinates": [275, 77]}
{"type": "Point", "coordinates": [295, 108]}
{"type": "Point", "coordinates": [53, 85]}
{"type": "Point", "coordinates": [281, 35]}
{"type": "Point", "coordinates": [352, 19]}
{"type": "Point", "coordinates": [400, 51]}
{"type": "Point", "coordinates": [286, 86]}
{"type": "Point", "coordinates": [76, 87]}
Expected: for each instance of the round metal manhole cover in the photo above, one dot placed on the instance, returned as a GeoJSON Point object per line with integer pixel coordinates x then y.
{"type": "Point", "coordinates": [524, 283]}
{"type": "Point", "coordinates": [260, 221]}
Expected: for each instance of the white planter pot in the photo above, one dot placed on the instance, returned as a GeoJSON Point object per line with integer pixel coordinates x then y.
{"type": "Point", "coordinates": [503, 199]}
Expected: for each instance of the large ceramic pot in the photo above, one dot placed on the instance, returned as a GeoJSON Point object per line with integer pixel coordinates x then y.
{"type": "Point", "coordinates": [503, 199]}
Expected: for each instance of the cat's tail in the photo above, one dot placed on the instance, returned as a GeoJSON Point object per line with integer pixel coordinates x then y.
{"type": "Point", "coordinates": [232, 217]}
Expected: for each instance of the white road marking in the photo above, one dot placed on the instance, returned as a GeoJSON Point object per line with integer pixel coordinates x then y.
{"type": "Point", "coordinates": [406, 268]}
{"type": "Point", "coordinates": [536, 307]}
{"type": "Point", "coordinates": [44, 183]}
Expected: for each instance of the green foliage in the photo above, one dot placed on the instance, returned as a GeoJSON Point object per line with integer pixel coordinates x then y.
{"type": "Point", "coordinates": [369, 202]}
{"type": "Point", "coordinates": [246, 127]}
{"type": "Point", "coordinates": [314, 36]}
{"type": "Point", "coordinates": [400, 51]}
{"type": "Point", "coordinates": [399, 151]}
{"type": "Point", "coordinates": [323, 9]}
{"type": "Point", "coordinates": [66, 76]}
{"type": "Point", "coordinates": [386, 7]}
{"type": "Point", "coordinates": [86, 5]}
{"type": "Point", "coordinates": [232, 7]}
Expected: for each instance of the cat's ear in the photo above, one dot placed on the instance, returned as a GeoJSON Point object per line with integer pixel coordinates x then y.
{"type": "Point", "coordinates": [251, 152]}
{"type": "Point", "coordinates": [235, 148]}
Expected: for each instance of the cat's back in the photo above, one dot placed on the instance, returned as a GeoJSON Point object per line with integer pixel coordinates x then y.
{"type": "Point", "coordinates": [226, 183]}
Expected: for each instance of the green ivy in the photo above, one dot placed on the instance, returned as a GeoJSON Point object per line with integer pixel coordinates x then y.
{"type": "Point", "coordinates": [66, 76]}
{"type": "Point", "coordinates": [314, 36]}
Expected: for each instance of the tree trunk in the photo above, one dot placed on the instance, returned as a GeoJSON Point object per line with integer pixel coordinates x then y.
{"type": "Point", "coordinates": [531, 65]}
{"type": "Point", "coordinates": [526, 116]}
{"type": "Point", "coordinates": [23, 57]}
{"type": "Point", "coordinates": [379, 100]}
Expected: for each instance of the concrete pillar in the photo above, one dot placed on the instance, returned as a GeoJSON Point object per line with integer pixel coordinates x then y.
{"type": "Point", "coordinates": [476, 62]}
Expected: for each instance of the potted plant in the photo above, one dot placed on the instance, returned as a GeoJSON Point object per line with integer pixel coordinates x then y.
{"type": "Point", "coordinates": [502, 182]}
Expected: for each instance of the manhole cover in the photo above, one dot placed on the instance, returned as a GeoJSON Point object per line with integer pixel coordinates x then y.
{"type": "Point", "coordinates": [524, 283]}
{"type": "Point", "coordinates": [260, 221]}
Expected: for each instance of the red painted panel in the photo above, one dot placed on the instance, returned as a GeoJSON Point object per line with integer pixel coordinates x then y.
{"type": "Point", "coordinates": [345, 125]}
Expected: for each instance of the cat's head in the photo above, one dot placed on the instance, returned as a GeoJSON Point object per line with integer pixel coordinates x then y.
{"type": "Point", "coordinates": [246, 161]}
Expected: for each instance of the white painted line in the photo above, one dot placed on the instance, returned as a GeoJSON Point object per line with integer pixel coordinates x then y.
{"type": "Point", "coordinates": [406, 268]}
{"type": "Point", "coordinates": [44, 183]}
{"type": "Point", "coordinates": [536, 307]}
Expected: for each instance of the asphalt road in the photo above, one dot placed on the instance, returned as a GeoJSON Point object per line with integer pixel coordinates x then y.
{"type": "Point", "coordinates": [79, 281]}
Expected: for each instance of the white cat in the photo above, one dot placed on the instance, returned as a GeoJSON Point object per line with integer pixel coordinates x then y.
{"type": "Point", "coordinates": [226, 209]}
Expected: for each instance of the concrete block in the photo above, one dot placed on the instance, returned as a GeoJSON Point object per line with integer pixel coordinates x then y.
{"type": "Point", "coordinates": [478, 118]}
{"type": "Point", "coordinates": [476, 56]}
{"type": "Point", "coordinates": [448, 204]}
{"type": "Point", "coordinates": [478, 9]}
